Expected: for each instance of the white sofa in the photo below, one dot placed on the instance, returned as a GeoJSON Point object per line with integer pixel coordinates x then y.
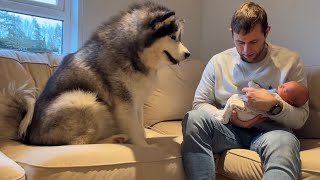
{"type": "Point", "coordinates": [162, 112]}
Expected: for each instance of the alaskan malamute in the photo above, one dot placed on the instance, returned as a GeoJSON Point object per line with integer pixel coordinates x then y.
{"type": "Point", "coordinates": [99, 91]}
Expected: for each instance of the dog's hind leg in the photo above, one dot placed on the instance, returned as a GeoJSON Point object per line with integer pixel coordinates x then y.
{"type": "Point", "coordinates": [75, 117]}
{"type": "Point", "coordinates": [82, 140]}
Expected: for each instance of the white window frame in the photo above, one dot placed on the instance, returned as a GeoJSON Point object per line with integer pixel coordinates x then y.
{"type": "Point", "coordinates": [63, 11]}
{"type": "Point", "coordinates": [59, 6]}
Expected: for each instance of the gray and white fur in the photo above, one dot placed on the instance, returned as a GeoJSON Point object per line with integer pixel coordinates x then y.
{"type": "Point", "coordinates": [99, 91]}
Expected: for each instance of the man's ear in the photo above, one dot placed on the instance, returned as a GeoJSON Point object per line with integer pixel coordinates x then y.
{"type": "Point", "coordinates": [267, 31]}
{"type": "Point", "coordinates": [163, 20]}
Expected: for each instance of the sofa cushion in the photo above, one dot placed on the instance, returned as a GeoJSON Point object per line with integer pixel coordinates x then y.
{"type": "Point", "coordinates": [175, 91]}
{"type": "Point", "coordinates": [172, 127]}
{"type": "Point", "coordinates": [100, 161]}
{"type": "Point", "coordinates": [246, 164]}
{"type": "Point", "coordinates": [311, 128]}
{"type": "Point", "coordinates": [10, 169]}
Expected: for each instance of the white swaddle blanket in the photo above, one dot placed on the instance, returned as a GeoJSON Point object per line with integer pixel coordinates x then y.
{"type": "Point", "coordinates": [237, 102]}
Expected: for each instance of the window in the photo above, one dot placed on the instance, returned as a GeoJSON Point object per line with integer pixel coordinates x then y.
{"type": "Point", "coordinates": [37, 25]}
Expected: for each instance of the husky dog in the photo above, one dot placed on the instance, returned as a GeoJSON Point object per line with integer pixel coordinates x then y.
{"type": "Point", "coordinates": [99, 91]}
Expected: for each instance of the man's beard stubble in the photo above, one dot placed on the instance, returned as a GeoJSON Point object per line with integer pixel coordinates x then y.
{"type": "Point", "coordinates": [259, 57]}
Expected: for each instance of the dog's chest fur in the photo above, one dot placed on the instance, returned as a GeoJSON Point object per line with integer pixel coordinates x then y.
{"type": "Point", "coordinates": [140, 86]}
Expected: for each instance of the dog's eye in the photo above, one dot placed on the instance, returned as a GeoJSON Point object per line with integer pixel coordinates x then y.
{"type": "Point", "coordinates": [173, 37]}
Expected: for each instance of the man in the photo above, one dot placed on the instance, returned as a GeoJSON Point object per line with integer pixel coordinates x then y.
{"type": "Point", "coordinates": [228, 73]}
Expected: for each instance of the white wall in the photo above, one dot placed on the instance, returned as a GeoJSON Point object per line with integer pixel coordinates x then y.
{"type": "Point", "coordinates": [93, 12]}
{"type": "Point", "coordinates": [294, 24]}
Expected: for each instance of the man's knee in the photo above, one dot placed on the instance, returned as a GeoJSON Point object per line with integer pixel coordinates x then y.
{"type": "Point", "coordinates": [194, 120]}
{"type": "Point", "coordinates": [190, 121]}
{"type": "Point", "coordinates": [282, 139]}
{"type": "Point", "coordinates": [199, 122]}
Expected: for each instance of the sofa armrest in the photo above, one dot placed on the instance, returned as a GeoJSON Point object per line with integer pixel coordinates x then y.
{"type": "Point", "coordinates": [10, 169]}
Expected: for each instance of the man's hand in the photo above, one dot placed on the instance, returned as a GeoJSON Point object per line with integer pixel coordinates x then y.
{"type": "Point", "coordinates": [259, 99]}
{"type": "Point", "coordinates": [234, 120]}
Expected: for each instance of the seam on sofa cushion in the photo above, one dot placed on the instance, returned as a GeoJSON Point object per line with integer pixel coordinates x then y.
{"type": "Point", "coordinates": [22, 176]}
{"type": "Point", "coordinates": [155, 129]}
{"type": "Point", "coordinates": [230, 153]}
{"type": "Point", "coordinates": [245, 157]}
{"type": "Point", "coordinates": [225, 175]}
{"type": "Point", "coordinates": [97, 165]}
{"type": "Point", "coordinates": [308, 170]}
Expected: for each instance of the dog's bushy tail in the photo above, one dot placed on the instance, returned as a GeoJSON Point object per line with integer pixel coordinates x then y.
{"type": "Point", "coordinates": [16, 110]}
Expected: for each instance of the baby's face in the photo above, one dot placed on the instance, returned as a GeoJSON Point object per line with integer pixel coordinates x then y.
{"type": "Point", "coordinates": [293, 93]}
{"type": "Point", "coordinates": [286, 91]}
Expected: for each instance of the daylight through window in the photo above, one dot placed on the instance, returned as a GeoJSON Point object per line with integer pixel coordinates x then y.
{"type": "Point", "coordinates": [38, 25]}
{"type": "Point", "coordinates": [30, 33]}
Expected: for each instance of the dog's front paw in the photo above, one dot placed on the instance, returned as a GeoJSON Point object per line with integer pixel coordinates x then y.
{"type": "Point", "coordinates": [121, 139]}
{"type": "Point", "coordinates": [145, 144]}
{"type": "Point", "coordinates": [118, 139]}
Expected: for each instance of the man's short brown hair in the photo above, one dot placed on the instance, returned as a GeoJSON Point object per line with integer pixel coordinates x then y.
{"type": "Point", "coordinates": [247, 17]}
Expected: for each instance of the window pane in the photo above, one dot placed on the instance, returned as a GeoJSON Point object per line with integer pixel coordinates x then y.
{"type": "Point", "coordinates": [54, 2]}
{"type": "Point", "coordinates": [30, 33]}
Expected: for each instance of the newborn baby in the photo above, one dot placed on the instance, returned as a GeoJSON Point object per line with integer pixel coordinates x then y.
{"type": "Point", "coordinates": [291, 92]}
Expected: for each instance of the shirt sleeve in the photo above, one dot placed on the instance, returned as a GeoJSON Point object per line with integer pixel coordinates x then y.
{"type": "Point", "coordinates": [290, 116]}
{"type": "Point", "coordinates": [204, 98]}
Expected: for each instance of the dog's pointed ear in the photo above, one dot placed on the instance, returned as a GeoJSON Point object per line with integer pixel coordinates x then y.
{"type": "Point", "coordinates": [163, 20]}
{"type": "Point", "coordinates": [181, 23]}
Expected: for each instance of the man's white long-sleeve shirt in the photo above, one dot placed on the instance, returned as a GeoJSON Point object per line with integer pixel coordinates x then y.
{"type": "Point", "coordinates": [226, 74]}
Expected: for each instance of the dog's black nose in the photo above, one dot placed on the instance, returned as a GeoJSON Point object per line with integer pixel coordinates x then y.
{"type": "Point", "coordinates": [187, 54]}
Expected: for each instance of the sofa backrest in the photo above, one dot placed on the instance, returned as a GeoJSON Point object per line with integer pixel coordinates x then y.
{"type": "Point", "coordinates": [311, 128]}
{"type": "Point", "coordinates": [171, 99]}
{"type": "Point", "coordinates": [21, 67]}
